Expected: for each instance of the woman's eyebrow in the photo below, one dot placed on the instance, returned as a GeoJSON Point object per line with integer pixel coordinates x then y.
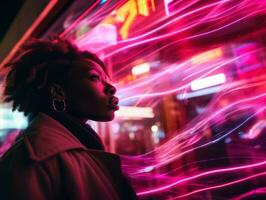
{"type": "Point", "coordinates": [92, 68]}
{"type": "Point", "coordinates": [101, 73]}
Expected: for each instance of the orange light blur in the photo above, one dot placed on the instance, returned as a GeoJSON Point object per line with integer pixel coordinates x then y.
{"type": "Point", "coordinates": [127, 14]}
{"type": "Point", "coordinates": [207, 56]}
{"type": "Point", "coordinates": [129, 11]}
{"type": "Point", "coordinates": [144, 7]}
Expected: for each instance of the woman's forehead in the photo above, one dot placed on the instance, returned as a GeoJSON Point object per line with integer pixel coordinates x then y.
{"type": "Point", "coordinates": [85, 65]}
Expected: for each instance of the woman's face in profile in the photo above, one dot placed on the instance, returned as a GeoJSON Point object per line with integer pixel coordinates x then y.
{"type": "Point", "coordinates": [89, 94]}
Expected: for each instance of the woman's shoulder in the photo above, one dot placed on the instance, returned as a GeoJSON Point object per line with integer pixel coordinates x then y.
{"type": "Point", "coordinates": [14, 159]}
{"type": "Point", "coordinates": [16, 150]}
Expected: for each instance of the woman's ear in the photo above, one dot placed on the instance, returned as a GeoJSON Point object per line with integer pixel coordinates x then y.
{"type": "Point", "coordinates": [56, 91]}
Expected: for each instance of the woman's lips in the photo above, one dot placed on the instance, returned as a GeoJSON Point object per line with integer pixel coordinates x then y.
{"type": "Point", "coordinates": [113, 103]}
{"type": "Point", "coordinates": [113, 107]}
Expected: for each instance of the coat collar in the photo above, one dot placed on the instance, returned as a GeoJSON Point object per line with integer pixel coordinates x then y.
{"type": "Point", "coordinates": [46, 137]}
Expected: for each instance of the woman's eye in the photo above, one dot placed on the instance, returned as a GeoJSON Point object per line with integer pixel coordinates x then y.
{"type": "Point", "coordinates": [94, 77]}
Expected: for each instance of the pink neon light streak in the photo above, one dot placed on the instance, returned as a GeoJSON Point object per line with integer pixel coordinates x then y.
{"type": "Point", "coordinates": [207, 174]}
{"type": "Point", "coordinates": [222, 185]}
{"type": "Point", "coordinates": [63, 34]}
{"type": "Point", "coordinates": [184, 29]}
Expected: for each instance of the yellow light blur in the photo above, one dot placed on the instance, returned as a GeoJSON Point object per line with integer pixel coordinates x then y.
{"type": "Point", "coordinates": [207, 56]}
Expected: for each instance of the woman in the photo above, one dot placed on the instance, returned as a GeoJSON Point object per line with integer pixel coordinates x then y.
{"type": "Point", "coordinates": [58, 156]}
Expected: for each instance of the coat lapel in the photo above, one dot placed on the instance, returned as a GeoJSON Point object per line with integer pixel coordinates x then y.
{"type": "Point", "coordinates": [46, 137]}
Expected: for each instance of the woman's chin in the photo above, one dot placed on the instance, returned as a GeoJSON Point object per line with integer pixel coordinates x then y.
{"type": "Point", "coordinates": [105, 118]}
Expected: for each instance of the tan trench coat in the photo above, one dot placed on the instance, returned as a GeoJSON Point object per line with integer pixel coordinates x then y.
{"type": "Point", "coordinates": [48, 162]}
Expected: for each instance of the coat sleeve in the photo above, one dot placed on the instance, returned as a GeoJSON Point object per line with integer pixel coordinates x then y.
{"type": "Point", "coordinates": [25, 182]}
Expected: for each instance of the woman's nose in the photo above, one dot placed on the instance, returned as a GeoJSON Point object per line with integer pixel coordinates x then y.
{"type": "Point", "coordinates": [110, 90]}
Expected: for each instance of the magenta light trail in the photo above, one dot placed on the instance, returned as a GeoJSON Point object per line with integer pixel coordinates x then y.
{"type": "Point", "coordinates": [182, 87]}
{"type": "Point", "coordinates": [166, 157]}
{"type": "Point", "coordinates": [178, 18]}
{"type": "Point", "coordinates": [75, 23]}
{"type": "Point", "coordinates": [251, 193]}
{"type": "Point", "coordinates": [171, 69]}
{"type": "Point", "coordinates": [207, 174]}
{"type": "Point", "coordinates": [212, 149]}
{"type": "Point", "coordinates": [222, 185]}
{"type": "Point", "coordinates": [173, 157]}
{"type": "Point", "coordinates": [158, 38]}
{"type": "Point", "coordinates": [247, 14]}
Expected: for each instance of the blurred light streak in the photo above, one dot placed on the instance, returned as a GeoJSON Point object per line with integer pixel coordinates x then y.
{"type": "Point", "coordinates": [174, 20]}
{"type": "Point", "coordinates": [102, 35]}
{"type": "Point", "coordinates": [151, 78]}
{"type": "Point", "coordinates": [166, 151]}
{"type": "Point", "coordinates": [221, 28]}
{"type": "Point", "coordinates": [245, 84]}
{"type": "Point", "coordinates": [75, 23]}
{"type": "Point", "coordinates": [163, 19]}
{"type": "Point", "coordinates": [198, 93]}
{"type": "Point", "coordinates": [133, 112]}
{"type": "Point", "coordinates": [222, 185]}
{"type": "Point", "coordinates": [103, 1]}
{"type": "Point", "coordinates": [92, 17]}
{"type": "Point", "coordinates": [208, 173]}
{"type": "Point", "coordinates": [138, 42]}
{"type": "Point", "coordinates": [158, 75]}
{"type": "Point", "coordinates": [190, 20]}
{"type": "Point", "coordinates": [166, 2]}
{"type": "Point", "coordinates": [256, 129]}
{"type": "Point", "coordinates": [153, 94]}
{"type": "Point", "coordinates": [209, 81]}
{"type": "Point", "coordinates": [251, 193]}
{"type": "Point", "coordinates": [179, 69]}
{"type": "Point", "coordinates": [143, 41]}
{"type": "Point", "coordinates": [217, 65]}
{"type": "Point", "coordinates": [158, 38]}
{"type": "Point", "coordinates": [169, 155]}
{"type": "Point", "coordinates": [141, 69]}
{"type": "Point", "coordinates": [207, 56]}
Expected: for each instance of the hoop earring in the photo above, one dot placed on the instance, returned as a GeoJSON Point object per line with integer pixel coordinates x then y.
{"type": "Point", "coordinates": [59, 105]}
